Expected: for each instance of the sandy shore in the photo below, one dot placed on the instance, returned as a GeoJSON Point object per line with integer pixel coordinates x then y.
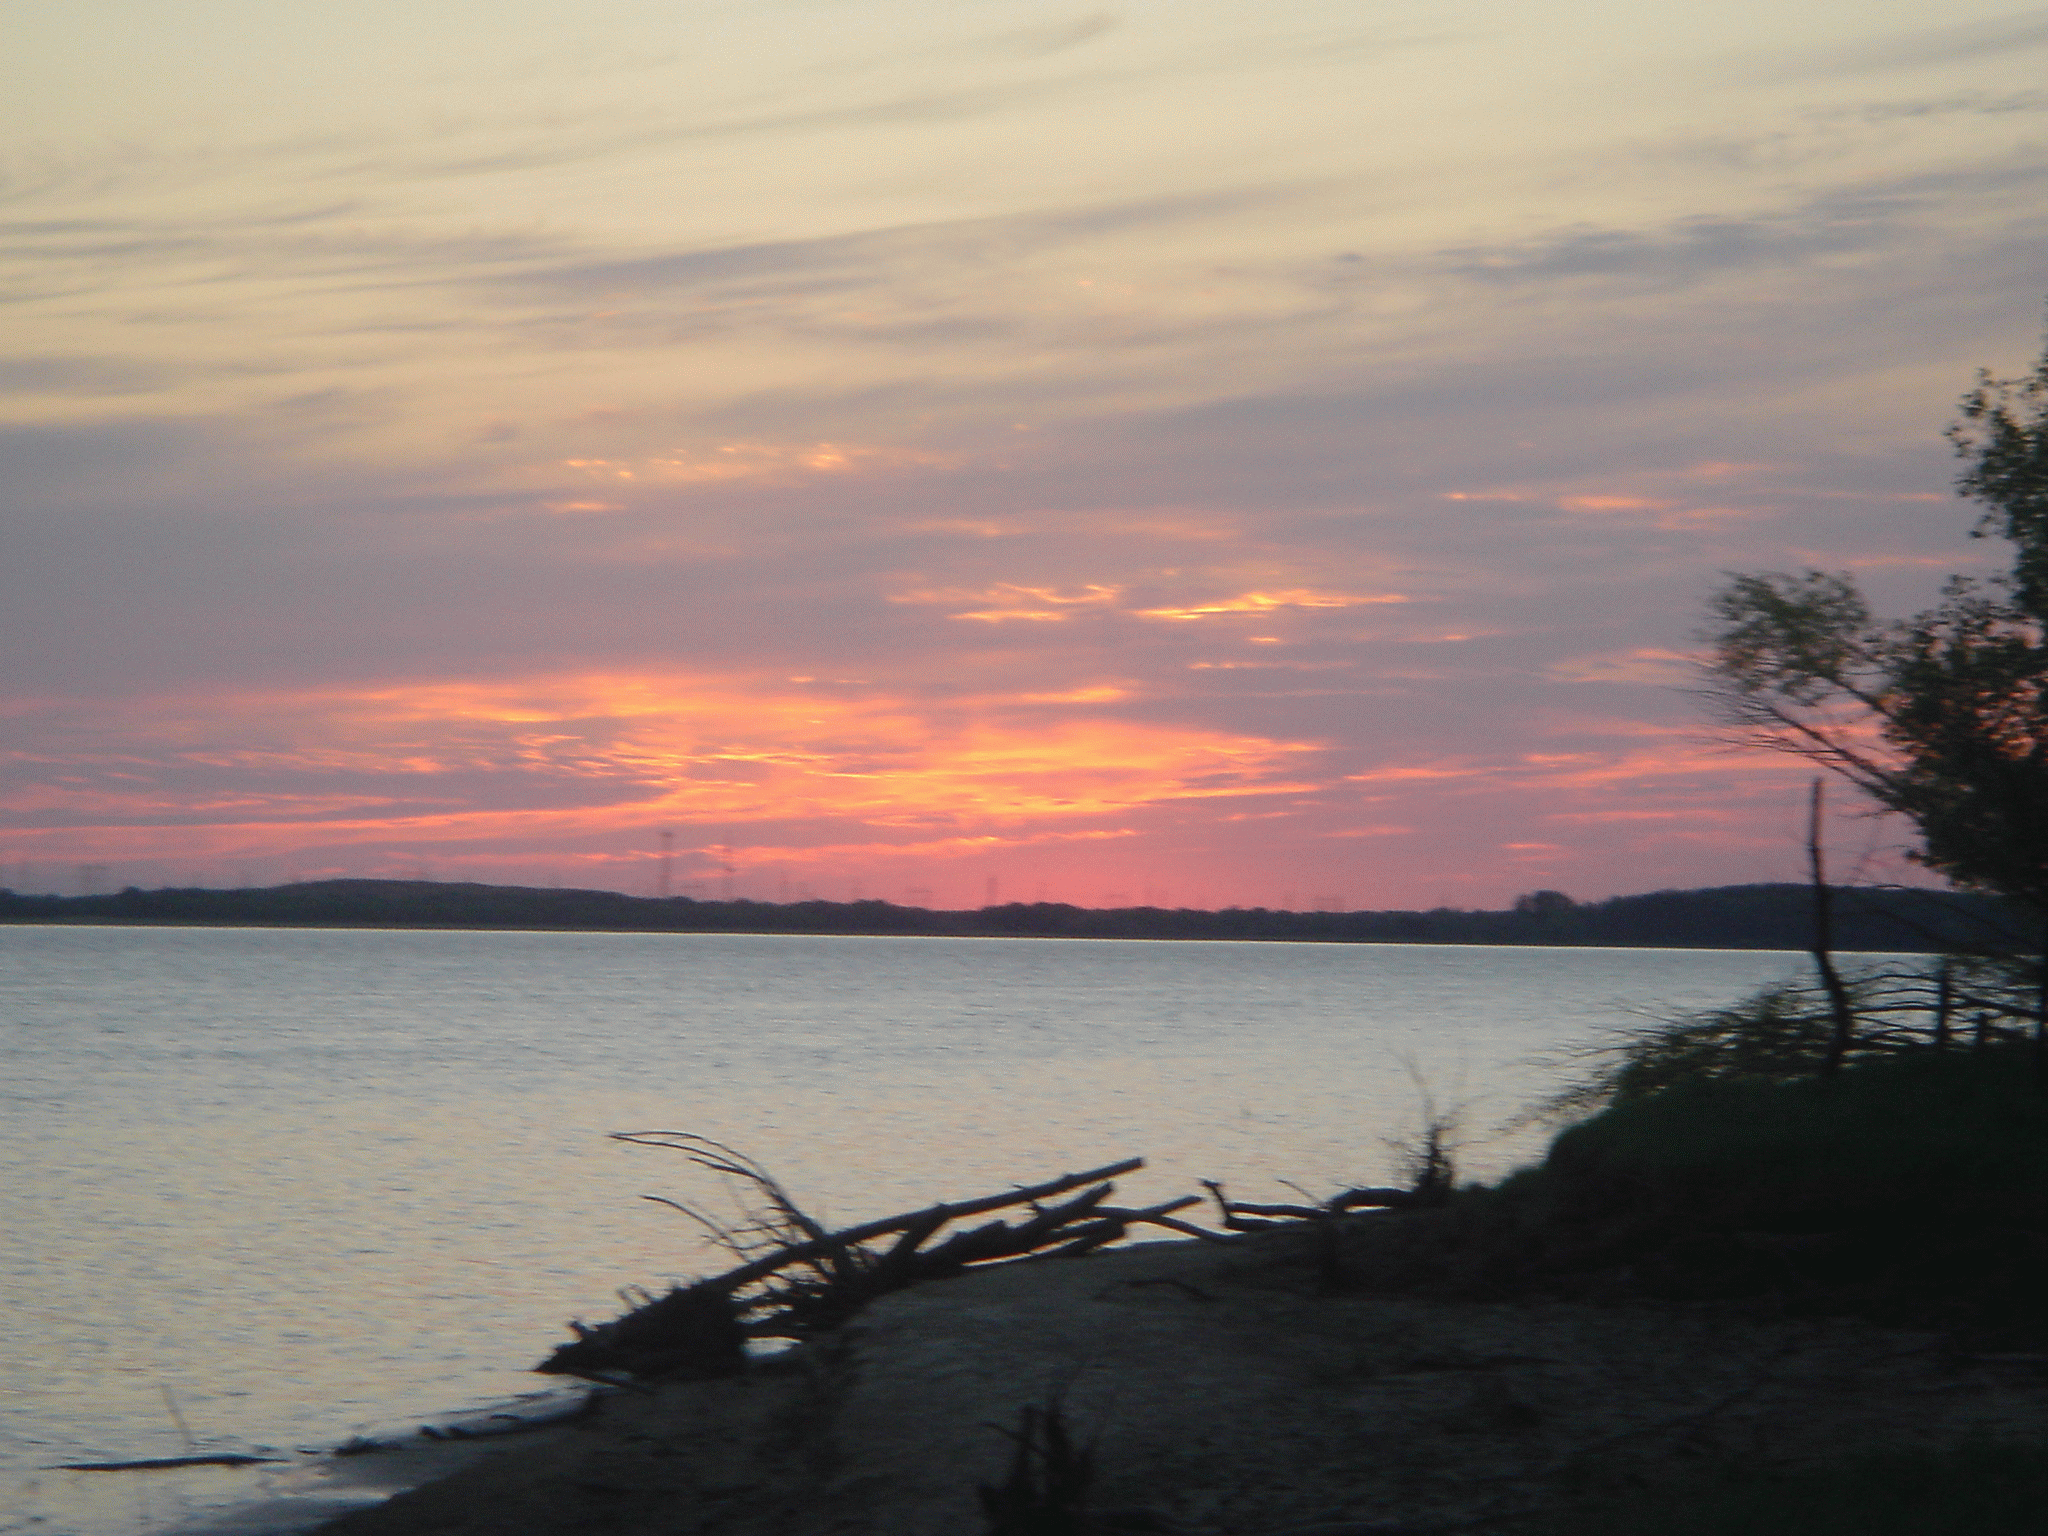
{"type": "Point", "coordinates": [1223, 1395]}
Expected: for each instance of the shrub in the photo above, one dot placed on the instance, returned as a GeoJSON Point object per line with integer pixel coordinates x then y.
{"type": "Point", "coordinates": [1913, 1187]}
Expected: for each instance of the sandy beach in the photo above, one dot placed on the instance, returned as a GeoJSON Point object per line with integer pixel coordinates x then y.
{"type": "Point", "coordinates": [1223, 1394]}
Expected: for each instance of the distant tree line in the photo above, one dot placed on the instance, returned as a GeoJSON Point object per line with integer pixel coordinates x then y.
{"type": "Point", "coordinates": [1726, 917]}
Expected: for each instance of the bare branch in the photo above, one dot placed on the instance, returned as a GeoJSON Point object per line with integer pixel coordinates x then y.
{"type": "Point", "coordinates": [796, 1278]}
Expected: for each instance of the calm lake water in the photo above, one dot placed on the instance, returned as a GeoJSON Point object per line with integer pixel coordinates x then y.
{"type": "Point", "coordinates": [296, 1182]}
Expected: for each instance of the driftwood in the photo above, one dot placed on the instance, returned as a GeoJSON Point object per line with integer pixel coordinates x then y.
{"type": "Point", "coordinates": [1247, 1216]}
{"type": "Point", "coordinates": [161, 1463]}
{"type": "Point", "coordinates": [1428, 1161]}
{"type": "Point", "coordinates": [1319, 1217]}
{"type": "Point", "coordinates": [796, 1280]}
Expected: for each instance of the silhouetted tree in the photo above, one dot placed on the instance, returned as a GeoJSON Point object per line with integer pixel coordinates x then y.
{"type": "Point", "coordinates": [1942, 717]}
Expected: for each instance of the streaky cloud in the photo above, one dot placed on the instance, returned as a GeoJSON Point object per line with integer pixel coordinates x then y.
{"type": "Point", "coordinates": [1957, 43]}
{"type": "Point", "coordinates": [1970, 103]}
{"type": "Point", "coordinates": [1870, 216]}
{"type": "Point", "coordinates": [83, 375]}
{"type": "Point", "coordinates": [1007, 234]}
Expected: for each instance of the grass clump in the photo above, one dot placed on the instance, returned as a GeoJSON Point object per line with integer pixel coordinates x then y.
{"type": "Point", "coordinates": [1050, 1477]}
{"type": "Point", "coordinates": [1956, 1005]}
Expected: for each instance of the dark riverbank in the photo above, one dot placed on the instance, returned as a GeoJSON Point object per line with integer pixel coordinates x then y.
{"type": "Point", "coordinates": [1223, 1391]}
{"type": "Point", "coordinates": [1703, 1308]}
{"type": "Point", "coordinates": [1725, 917]}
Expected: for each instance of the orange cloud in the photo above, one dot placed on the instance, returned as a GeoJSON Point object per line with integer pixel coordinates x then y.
{"type": "Point", "coordinates": [770, 463]}
{"type": "Point", "coordinates": [1104, 694]}
{"type": "Point", "coordinates": [979, 528]}
{"type": "Point", "coordinates": [1269, 602]}
{"type": "Point", "coordinates": [763, 854]}
{"type": "Point", "coordinates": [1669, 513]}
{"type": "Point", "coordinates": [1007, 602]}
{"type": "Point", "coordinates": [1643, 767]}
{"type": "Point", "coordinates": [573, 756]}
{"type": "Point", "coordinates": [1610, 504]}
{"type": "Point", "coordinates": [1011, 602]}
{"type": "Point", "coordinates": [1420, 772]}
{"type": "Point", "coordinates": [1446, 637]}
{"type": "Point", "coordinates": [1269, 666]}
{"type": "Point", "coordinates": [1670, 766]}
{"type": "Point", "coordinates": [1724, 469]}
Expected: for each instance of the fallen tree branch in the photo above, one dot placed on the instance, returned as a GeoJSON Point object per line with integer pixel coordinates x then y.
{"type": "Point", "coordinates": [1161, 1216]}
{"type": "Point", "coordinates": [1259, 1216]}
{"type": "Point", "coordinates": [796, 1279]}
{"type": "Point", "coordinates": [1385, 1199]}
{"type": "Point", "coordinates": [822, 1242]}
{"type": "Point", "coordinates": [1297, 1212]}
{"type": "Point", "coordinates": [162, 1463]}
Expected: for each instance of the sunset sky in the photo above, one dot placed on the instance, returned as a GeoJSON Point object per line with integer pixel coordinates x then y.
{"type": "Point", "coordinates": [1200, 453]}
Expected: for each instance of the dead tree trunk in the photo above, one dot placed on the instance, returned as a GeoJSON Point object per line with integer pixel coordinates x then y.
{"type": "Point", "coordinates": [1824, 943]}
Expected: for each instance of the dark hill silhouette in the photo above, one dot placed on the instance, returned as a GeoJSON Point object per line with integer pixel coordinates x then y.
{"type": "Point", "coordinates": [1723, 917]}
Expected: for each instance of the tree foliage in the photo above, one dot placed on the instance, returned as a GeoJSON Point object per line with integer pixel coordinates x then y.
{"type": "Point", "coordinates": [1942, 717]}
